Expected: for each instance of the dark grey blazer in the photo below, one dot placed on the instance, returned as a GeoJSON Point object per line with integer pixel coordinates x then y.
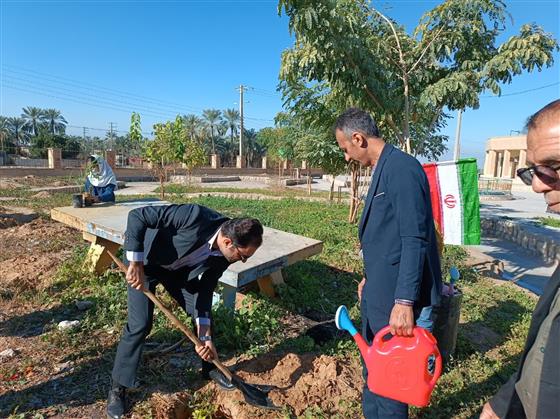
{"type": "Point", "coordinates": [398, 241]}
{"type": "Point", "coordinates": [168, 233]}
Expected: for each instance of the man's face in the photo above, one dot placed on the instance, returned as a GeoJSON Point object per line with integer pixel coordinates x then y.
{"type": "Point", "coordinates": [233, 253]}
{"type": "Point", "coordinates": [543, 148]}
{"type": "Point", "coordinates": [354, 147]}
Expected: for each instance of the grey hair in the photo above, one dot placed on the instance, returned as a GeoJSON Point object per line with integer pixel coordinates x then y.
{"type": "Point", "coordinates": [549, 111]}
{"type": "Point", "coordinates": [354, 119]}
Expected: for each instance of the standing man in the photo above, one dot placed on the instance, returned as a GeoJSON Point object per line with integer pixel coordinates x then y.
{"type": "Point", "coordinates": [534, 390]}
{"type": "Point", "coordinates": [401, 262]}
{"type": "Point", "coordinates": [186, 248]}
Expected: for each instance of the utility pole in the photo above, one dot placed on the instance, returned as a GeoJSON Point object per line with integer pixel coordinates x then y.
{"type": "Point", "coordinates": [457, 150]}
{"type": "Point", "coordinates": [241, 89]}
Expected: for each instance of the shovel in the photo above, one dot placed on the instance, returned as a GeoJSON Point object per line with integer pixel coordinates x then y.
{"type": "Point", "coordinates": [254, 394]}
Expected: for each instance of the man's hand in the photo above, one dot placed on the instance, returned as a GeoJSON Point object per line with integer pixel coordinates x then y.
{"type": "Point", "coordinates": [135, 275]}
{"type": "Point", "coordinates": [207, 351]}
{"type": "Point", "coordinates": [488, 412]}
{"type": "Point", "coordinates": [401, 320]}
{"type": "Point", "coordinates": [360, 288]}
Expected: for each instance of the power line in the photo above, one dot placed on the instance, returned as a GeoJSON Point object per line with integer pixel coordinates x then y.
{"type": "Point", "coordinates": [63, 80]}
{"type": "Point", "coordinates": [123, 106]}
{"type": "Point", "coordinates": [523, 91]}
{"type": "Point", "coordinates": [96, 96]}
{"type": "Point", "coordinates": [82, 101]}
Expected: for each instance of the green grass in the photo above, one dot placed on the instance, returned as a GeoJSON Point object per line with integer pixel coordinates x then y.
{"type": "Point", "coordinates": [549, 221]}
{"type": "Point", "coordinates": [272, 191]}
{"type": "Point", "coordinates": [318, 284]}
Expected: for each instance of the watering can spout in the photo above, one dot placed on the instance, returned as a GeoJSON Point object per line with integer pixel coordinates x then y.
{"type": "Point", "coordinates": [343, 322]}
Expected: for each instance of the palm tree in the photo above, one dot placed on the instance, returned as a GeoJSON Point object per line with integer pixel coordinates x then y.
{"type": "Point", "coordinates": [232, 118]}
{"type": "Point", "coordinates": [17, 128]}
{"type": "Point", "coordinates": [193, 125]}
{"type": "Point", "coordinates": [212, 117]}
{"type": "Point", "coordinates": [33, 118]}
{"type": "Point", "coordinates": [252, 147]}
{"type": "Point", "coordinates": [57, 123]}
{"type": "Point", "coordinates": [4, 131]}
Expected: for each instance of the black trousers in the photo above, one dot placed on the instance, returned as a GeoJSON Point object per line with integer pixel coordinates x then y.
{"type": "Point", "coordinates": [140, 319]}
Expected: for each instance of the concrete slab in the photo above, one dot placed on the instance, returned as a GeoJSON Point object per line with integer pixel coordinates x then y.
{"type": "Point", "coordinates": [524, 269]}
{"type": "Point", "coordinates": [279, 248]}
{"type": "Point", "coordinates": [524, 205]}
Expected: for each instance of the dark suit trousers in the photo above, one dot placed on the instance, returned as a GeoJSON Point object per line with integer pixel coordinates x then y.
{"type": "Point", "coordinates": [373, 405]}
{"type": "Point", "coordinates": [139, 325]}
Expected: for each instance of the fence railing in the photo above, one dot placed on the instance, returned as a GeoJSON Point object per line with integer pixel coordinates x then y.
{"type": "Point", "coordinates": [493, 185]}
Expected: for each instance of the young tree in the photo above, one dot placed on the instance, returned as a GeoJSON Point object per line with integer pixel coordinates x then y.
{"type": "Point", "coordinates": [348, 53]}
{"type": "Point", "coordinates": [162, 150]}
{"type": "Point", "coordinates": [319, 149]}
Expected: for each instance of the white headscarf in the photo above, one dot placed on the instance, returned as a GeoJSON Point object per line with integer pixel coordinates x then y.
{"type": "Point", "coordinates": [105, 175]}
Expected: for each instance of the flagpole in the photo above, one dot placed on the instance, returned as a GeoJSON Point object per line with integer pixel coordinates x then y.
{"type": "Point", "coordinates": [457, 150]}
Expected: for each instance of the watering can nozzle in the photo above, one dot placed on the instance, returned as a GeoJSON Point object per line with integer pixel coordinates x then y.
{"type": "Point", "coordinates": [343, 322]}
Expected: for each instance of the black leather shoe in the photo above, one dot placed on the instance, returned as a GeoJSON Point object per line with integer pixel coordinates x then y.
{"type": "Point", "coordinates": [116, 402]}
{"type": "Point", "coordinates": [220, 379]}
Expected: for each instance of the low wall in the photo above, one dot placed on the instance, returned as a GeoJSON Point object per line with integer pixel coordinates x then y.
{"type": "Point", "coordinates": [11, 171]}
{"type": "Point", "coordinates": [537, 239]}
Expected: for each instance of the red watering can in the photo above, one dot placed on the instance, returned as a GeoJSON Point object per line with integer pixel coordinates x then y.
{"type": "Point", "coordinates": [398, 367]}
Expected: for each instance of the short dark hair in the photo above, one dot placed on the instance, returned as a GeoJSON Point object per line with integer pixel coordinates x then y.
{"type": "Point", "coordinates": [243, 232]}
{"type": "Point", "coordinates": [92, 159]}
{"type": "Point", "coordinates": [354, 119]}
{"type": "Point", "coordinates": [552, 110]}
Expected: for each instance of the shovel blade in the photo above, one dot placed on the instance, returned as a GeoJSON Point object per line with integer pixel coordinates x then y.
{"type": "Point", "coordinates": [254, 395]}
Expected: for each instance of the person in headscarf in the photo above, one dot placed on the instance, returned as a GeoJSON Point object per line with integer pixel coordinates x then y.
{"type": "Point", "coordinates": [101, 182]}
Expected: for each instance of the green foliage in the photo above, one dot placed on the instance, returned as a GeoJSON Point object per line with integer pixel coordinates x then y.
{"type": "Point", "coordinates": [346, 53]}
{"type": "Point", "coordinates": [252, 328]}
{"type": "Point", "coordinates": [135, 134]}
{"type": "Point", "coordinates": [320, 149]}
{"type": "Point", "coordinates": [453, 256]}
{"type": "Point", "coordinates": [549, 221]}
{"type": "Point", "coordinates": [318, 284]}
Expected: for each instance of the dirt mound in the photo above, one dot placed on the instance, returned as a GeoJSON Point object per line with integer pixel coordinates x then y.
{"type": "Point", "coordinates": [31, 253]}
{"type": "Point", "coordinates": [303, 381]}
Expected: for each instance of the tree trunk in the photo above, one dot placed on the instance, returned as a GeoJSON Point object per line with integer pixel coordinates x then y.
{"type": "Point", "coordinates": [331, 193]}
{"type": "Point", "coordinates": [406, 128]}
{"type": "Point", "coordinates": [308, 182]}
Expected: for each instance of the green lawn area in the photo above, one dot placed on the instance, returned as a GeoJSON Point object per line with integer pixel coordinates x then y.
{"type": "Point", "coordinates": [549, 221]}
{"type": "Point", "coordinates": [319, 284]}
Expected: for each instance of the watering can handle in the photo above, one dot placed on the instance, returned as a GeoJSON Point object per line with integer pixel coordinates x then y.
{"type": "Point", "coordinates": [417, 331]}
{"type": "Point", "coordinates": [378, 339]}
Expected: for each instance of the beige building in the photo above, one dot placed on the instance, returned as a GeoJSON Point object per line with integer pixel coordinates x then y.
{"type": "Point", "coordinates": [504, 155]}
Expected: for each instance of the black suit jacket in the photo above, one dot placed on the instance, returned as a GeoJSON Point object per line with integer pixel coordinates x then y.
{"type": "Point", "coordinates": [398, 241]}
{"type": "Point", "coordinates": [506, 403]}
{"type": "Point", "coordinates": [168, 233]}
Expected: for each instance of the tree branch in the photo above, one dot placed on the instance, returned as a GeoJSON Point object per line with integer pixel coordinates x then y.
{"type": "Point", "coordinates": [424, 51]}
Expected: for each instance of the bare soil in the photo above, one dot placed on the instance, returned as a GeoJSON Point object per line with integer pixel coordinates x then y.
{"type": "Point", "coordinates": [59, 380]}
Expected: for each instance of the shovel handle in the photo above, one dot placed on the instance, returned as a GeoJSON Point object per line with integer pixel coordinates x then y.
{"type": "Point", "coordinates": [176, 322]}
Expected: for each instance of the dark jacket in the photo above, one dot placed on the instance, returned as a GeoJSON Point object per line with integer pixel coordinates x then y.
{"type": "Point", "coordinates": [168, 233]}
{"type": "Point", "coordinates": [398, 241]}
{"type": "Point", "coordinates": [506, 403]}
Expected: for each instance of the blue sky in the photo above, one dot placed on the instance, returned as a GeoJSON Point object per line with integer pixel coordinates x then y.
{"type": "Point", "coordinates": [97, 61]}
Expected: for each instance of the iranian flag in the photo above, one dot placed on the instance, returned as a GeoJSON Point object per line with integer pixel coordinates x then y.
{"type": "Point", "coordinates": [455, 204]}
